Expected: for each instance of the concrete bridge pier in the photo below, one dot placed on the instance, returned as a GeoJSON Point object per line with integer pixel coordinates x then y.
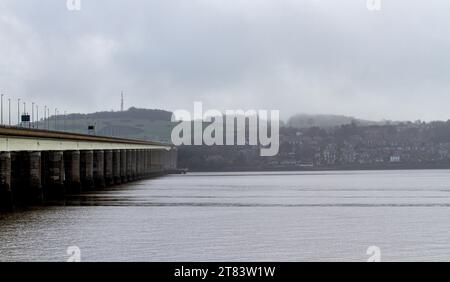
{"type": "Point", "coordinates": [99, 167]}
{"type": "Point", "coordinates": [152, 161]}
{"type": "Point", "coordinates": [141, 161]}
{"type": "Point", "coordinates": [149, 162]}
{"type": "Point", "coordinates": [156, 160]}
{"type": "Point", "coordinates": [133, 165]}
{"type": "Point", "coordinates": [138, 164]}
{"type": "Point", "coordinates": [123, 166]}
{"type": "Point", "coordinates": [163, 160]}
{"type": "Point", "coordinates": [116, 167]}
{"type": "Point", "coordinates": [165, 155]}
{"type": "Point", "coordinates": [53, 171]}
{"type": "Point", "coordinates": [146, 163]}
{"type": "Point", "coordinates": [162, 155]}
{"type": "Point", "coordinates": [87, 169]}
{"type": "Point", "coordinates": [141, 164]}
{"type": "Point", "coordinates": [26, 184]}
{"type": "Point", "coordinates": [166, 160]}
{"type": "Point", "coordinates": [72, 171]}
{"type": "Point", "coordinates": [32, 162]}
{"type": "Point", "coordinates": [143, 157]}
{"type": "Point", "coordinates": [129, 166]}
{"type": "Point", "coordinates": [108, 172]}
{"type": "Point", "coordinates": [6, 199]}
{"type": "Point", "coordinates": [174, 159]}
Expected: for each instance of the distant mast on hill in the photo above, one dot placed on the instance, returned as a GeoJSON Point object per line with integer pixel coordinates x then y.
{"type": "Point", "coordinates": [121, 102]}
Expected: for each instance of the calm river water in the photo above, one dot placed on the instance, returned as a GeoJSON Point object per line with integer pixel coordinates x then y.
{"type": "Point", "coordinates": [279, 216]}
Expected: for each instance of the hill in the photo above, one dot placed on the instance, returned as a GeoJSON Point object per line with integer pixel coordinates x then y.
{"type": "Point", "coordinates": [134, 123]}
{"type": "Point", "coordinates": [326, 121]}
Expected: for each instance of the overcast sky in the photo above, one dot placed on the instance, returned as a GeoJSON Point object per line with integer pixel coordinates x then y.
{"type": "Point", "coordinates": [299, 56]}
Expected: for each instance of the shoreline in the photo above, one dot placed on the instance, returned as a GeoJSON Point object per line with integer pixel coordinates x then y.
{"type": "Point", "coordinates": [331, 168]}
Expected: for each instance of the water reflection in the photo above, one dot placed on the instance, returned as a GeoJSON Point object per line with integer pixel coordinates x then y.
{"type": "Point", "coordinates": [247, 216]}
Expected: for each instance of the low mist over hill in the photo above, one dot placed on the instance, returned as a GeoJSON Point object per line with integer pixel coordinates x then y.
{"type": "Point", "coordinates": [156, 125]}
{"type": "Point", "coordinates": [327, 121]}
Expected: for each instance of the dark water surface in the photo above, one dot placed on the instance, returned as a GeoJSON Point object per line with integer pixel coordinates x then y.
{"type": "Point", "coordinates": [331, 216]}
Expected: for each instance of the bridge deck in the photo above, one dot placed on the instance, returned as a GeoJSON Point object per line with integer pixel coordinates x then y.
{"type": "Point", "coordinates": [21, 139]}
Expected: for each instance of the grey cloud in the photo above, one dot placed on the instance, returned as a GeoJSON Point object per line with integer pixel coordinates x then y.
{"type": "Point", "coordinates": [296, 56]}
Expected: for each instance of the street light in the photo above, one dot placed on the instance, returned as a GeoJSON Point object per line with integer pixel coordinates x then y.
{"type": "Point", "coordinates": [32, 114]}
{"type": "Point", "coordinates": [37, 116]}
{"type": "Point", "coordinates": [25, 113]}
{"type": "Point", "coordinates": [56, 114]}
{"type": "Point", "coordinates": [2, 108]}
{"type": "Point", "coordinates": [18, 112]}
{"type": "Point", "coordinates": [9, 111]}
{"type": "Point", "coordinates": [48, 118]}
{"type": "Point", "coordinates": [45, 116]}
{"type": "Point", "coordinates": [64, 121]}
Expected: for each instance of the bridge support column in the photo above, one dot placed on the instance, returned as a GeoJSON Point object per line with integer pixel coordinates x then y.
{"type": "Point", "coordinates": [140, 163]}
{"type": "Point", "coordinates": [99, 166]}
{"type": "Point", "coordinates": [161, 159]}
{"type": "Point", "coordinates": [123, 166]}
{"type": "Point", "coordinates": [72, 171]}
{"type": "Point", "coordinates": [148, 165]}
{"type": "Point", "coordinates": [176, 160]}
{"type": "Point", "coordinates": [156, 160]}
{"type": "Point", "coordinates": [6, 200]}
{"type": "Point", "coordinates": [33, 175]}
{"type": "Point", "coordinates": [136, 164]}
{"type": "Point", "coordinates": [153, 161]}
{"type": "Point", "coordinates": [130, 165]}
{"type": "Point", "coordinates": [162, 155]}
{"type": "Point", "coordinates": [173, 154]}
{"type": "Point", "coordinates": [87, 170]}
{"type": "Point", "coordinates": [26, 178]}
{"type": "Point", "coordinates": [167, 160]}
{"type": "Point", "coordinates": [53, 170]}
{"type": "Point", "coordinates": [145, 168]}
{"type": "Point", "coordinates": [138, 157]}
{"type": "Point", "coordinates": [144, 163]}
{"type": "Point", "coordinates": [108, 172]}
{"type": "Point", "coordinates": [165, 154]}
{"type": "Point", "coordinates": [133, 165]}
{"type": "Point", "coordinates": [116, 167]}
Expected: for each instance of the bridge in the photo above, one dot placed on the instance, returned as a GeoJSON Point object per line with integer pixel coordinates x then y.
{"type": "Point", "coordinates": [40, 165]}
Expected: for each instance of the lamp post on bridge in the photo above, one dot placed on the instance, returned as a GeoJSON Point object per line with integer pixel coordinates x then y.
{"type": "Point", "coordinates": [48, 118]}
{"type": "Point", "coordinates": [18, 112]}
{"type": "Point", "coordinates": [32, 114]}
{"type": "Point", "coordinates": [9, 111]}
{"type": "Point", "coordinates": [56, 114]}
{"type": "Point", "coordinates": [37, 116]}
{"type": "Point", "coordinates": [2, 107]}
{"type": "Point", "coordinates": [64, 121]}
{"type": "Point", "coordinates": [45, 116]}
{"type": "Point", "coordinates": [25, 116]}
